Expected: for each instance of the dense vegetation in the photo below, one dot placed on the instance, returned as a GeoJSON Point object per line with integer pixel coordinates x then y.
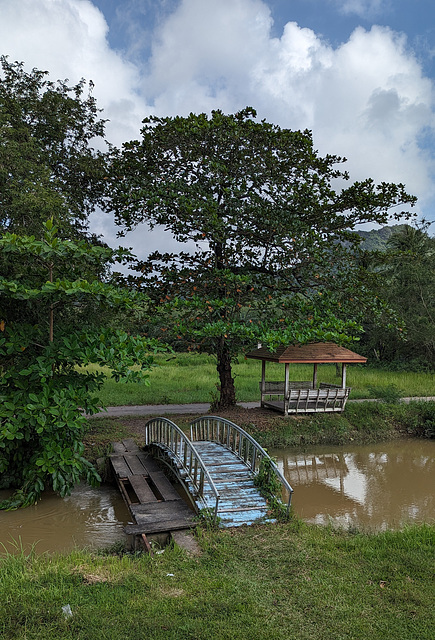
{"type": "Point", "coordinates": [405, 270]}
{"type": "Point", "coordinates": [59, 302]}
{"type": "Point", "coordinates": [277, 258]}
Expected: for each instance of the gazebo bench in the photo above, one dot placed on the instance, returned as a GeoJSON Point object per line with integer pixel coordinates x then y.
{"type": "Point", "coordinates": [328, 399]}
{"type": "Point", "coordinates": [305, 396]}
{"type": "Point", "coordinates": [318, 400]}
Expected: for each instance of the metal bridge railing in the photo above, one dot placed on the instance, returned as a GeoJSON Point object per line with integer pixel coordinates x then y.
{"type": "Point", "coordinates": [166, 434]}
{"type": "Point", "coordinates": [225, 432]}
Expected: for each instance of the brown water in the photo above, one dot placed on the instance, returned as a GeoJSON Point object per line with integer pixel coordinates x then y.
{"type": "Point", "coordinates": [373, 487]}
{"type": "Point", "coordinates": [87, 518]}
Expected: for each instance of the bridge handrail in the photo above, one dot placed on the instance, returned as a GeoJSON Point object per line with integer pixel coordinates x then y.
{"type": "Point", "coordinates": [164, 432]}
{"type": "Point", "coordinates": [229, 434]}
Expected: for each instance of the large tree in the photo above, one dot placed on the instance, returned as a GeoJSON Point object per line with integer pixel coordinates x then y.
{"type": "Point", "coordinates": [48, 166]}
{"type": "Point", "coordinates": [273, 223]}
{"type": "Point", "coordinates": [53, 323]}
{"type": "Point", "coordinates": [59, 306]}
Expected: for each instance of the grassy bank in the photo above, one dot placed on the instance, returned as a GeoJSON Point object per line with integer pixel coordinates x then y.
{"type": "Point", "coordinates": [184, 378]}
{"type": "Point", "coordinates": [361, 423]}
{"type": "Point", "coordinates": [289, 581]}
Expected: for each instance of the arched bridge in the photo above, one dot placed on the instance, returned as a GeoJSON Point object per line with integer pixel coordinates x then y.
{"type": "Point", "coordinates": [224, 470]}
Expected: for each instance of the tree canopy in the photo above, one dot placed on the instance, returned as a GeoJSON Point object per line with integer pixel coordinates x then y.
{"type": "Point", "coordinates": [48, 328]}
{"type": "Point", "coordinates": [60, 305]}
{"type": "Point", "coordinates": [406, 280]}
{"type": "Point", "coordinates": [273, 223]}
{"type": "Point", "coordinates": [48, 166]}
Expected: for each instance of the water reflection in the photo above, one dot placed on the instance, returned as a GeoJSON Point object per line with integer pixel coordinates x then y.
{"type": "Point", "coordinates": [87, 518]}
{"type": "Point", "coordinates": [374, 487]}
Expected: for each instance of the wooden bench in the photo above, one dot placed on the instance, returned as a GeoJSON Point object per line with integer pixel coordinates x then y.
{"type": "Point", "coordinates": [302, 398]}
{"type": "Point", "coordinates": [318, 400]}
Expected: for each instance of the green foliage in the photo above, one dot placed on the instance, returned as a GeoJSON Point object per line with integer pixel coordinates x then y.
{"type": "Point", "coordinates": [48, 330]}
{"type": "Point", "coordinates": [270, 488]}
{"type": "Point", "coordinates": [277, 257]}
{"type": "Point", "coordinates": [47, 164]}
{"type": "Point", "coordinates": [406, 280]}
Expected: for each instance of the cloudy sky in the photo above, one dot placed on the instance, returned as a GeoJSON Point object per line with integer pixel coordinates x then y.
{"type": "Point", "coordinates": [359, 73]}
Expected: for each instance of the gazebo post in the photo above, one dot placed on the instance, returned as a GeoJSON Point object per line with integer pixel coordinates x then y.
{"type": "Point", "coordinates": [263, 381]}
{"type": "Point", "coordinates": [315, 376]}
{"type": "Point", "coordinates": [343, 375]}
{"type": "Point", "coordinates": [286, 388]}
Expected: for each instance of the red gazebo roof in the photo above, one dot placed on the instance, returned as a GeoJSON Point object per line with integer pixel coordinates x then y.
{"type": "Point", "coordinates": [315, 353]}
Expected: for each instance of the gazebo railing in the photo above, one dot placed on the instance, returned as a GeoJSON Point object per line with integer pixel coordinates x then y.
{"type": "Point", "coordinates": [237, 440]}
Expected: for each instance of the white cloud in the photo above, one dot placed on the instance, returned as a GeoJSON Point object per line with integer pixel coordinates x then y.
{"type": "Point", "coordinates": [366, 99]}
{"type": "Point", "coordinates": [69, 39]}
{"type": "Point", "coordinates": [363, 8]}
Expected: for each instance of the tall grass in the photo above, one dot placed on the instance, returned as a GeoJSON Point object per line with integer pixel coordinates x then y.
{"type": "Point", "coordinates": [185, 378]}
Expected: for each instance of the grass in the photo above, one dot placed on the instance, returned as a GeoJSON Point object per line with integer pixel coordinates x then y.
{"type": "Point", "coordinates": [361, 423]}
{"type": "Point", "coordinates": [287, 581]}
{"type": "Point", "coordinates": [185, 378]}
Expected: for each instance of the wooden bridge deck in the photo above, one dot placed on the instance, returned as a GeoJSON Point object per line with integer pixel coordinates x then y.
{"type": "Point", "coordinates": [240, 501]}
{"type": "Point", "coordinates": [154, 504]}
{"type": "Point", "coordinates": [217, 466]}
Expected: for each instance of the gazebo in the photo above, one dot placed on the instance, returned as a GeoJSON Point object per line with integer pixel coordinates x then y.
{"type": "Point", "coordinates": [305, 396]}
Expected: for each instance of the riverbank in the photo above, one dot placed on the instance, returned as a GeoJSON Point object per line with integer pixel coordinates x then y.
{"type": "Point", "coordinates": [285, 581]}
{"type": "Point", "coordinates": [361, 423]}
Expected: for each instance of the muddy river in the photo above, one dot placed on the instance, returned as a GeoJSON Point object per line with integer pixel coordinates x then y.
{"type": "Point", "coordinates": [87, 518]}
{"type": "Point", "coordinates": [373, 487]}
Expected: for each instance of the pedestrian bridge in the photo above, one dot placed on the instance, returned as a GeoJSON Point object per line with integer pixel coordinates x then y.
{"type": "Point", "coordinates": [224, 470]}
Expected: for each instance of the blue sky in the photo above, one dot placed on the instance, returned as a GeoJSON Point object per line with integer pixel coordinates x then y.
{"type": "Point", "coordinates": [358, 73]}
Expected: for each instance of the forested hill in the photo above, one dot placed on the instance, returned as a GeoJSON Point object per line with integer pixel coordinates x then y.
{"type": "Point", "coordinates": [376, 239]}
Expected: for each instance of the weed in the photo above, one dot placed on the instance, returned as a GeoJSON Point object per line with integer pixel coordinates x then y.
{"type": "Point", "coordinates": [390, 394]}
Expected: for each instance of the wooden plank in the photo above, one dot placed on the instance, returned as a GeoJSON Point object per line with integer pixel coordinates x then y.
{"type": "Point", "coordinates": [163, 485]}
{"type": "Point", "coordinates": [120, 467]}
{"type": "Point", "coordinates": [242, 509]}
{"type": "Point", "coordinates": [118, 447]}
{"type": "Point", "coordinates": [148, 461]}
{"type": "Point", "coordinates": [162, 510]}
{"type": "Point", "coordinates": [130, 445]}
{"type": "Point", "coordinates": [246, 518]}
{"type": "Point", "coordinates": [248, 501]}
{"type": "Point", "coordinates": [142, 489]}
{"type": "Point", "coordinates": [135, 463]}
{"type": "Point", "coordinates": [147, 545]}
{"type": "Point", "coordinates": [241, 482]}
{"type": "Point", "coordinates": [157, 527]}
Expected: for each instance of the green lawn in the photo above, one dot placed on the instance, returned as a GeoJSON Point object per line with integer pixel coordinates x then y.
{"type": "Point", "coordinates": [184, 378]}
{"type": "Point", "coordinates": [288, 581]}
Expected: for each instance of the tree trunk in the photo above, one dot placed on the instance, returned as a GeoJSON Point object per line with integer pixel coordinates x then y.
{"type": "Point", "coordinates": [227, 395]}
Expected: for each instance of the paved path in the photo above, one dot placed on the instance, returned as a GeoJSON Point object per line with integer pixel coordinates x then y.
{"type": "Point", "coordinates": [197, 408]}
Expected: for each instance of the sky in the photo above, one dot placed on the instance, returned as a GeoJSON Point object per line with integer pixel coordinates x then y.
{"type": "Point", "coordinates": [358, 73]}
